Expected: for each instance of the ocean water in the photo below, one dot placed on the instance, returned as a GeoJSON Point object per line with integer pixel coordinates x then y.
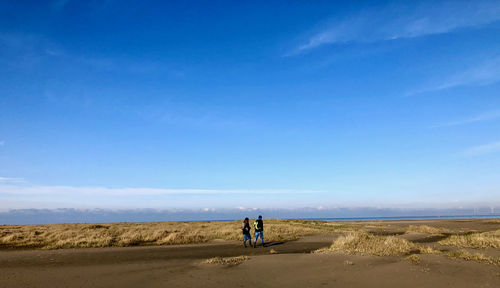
{"type": "Point", "coordinates": [38, 216]}
{"type": "Point", "coordinates": [407, 218]}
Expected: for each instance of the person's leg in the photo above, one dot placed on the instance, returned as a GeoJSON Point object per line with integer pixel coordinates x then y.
{"type": "Point", "coordinates": [245, 238]}
{"type": "Point", "coordinates": [255, 241]}
{"type": "Point", "coordinates": [262, 238]}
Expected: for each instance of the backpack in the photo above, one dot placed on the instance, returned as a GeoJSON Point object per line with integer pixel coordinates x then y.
{"type": "Point", "coordinates": [257, 225]}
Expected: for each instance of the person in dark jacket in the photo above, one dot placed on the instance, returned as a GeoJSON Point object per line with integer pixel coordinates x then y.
{"type": "Point", "coordinates": [246, 233]}
{"type": "Point", "coordinates": [259, 231]}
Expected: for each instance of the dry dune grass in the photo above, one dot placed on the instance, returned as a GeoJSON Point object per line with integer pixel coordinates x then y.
{"type": "Point", "coordinates": [428, 250]}
{"type": "Point", "coordinates": [426, 229]}
{"type": "Point", "coordinates": [477, 257]}
{"type": "Point", "coordinates": [415, 259]}
{"type": "Point", "coordinates": [363, 243]}
{"type": "Point", "coordinates": [155, 233]}
{"type": "Point", "coordinates": [231, 261]}
{"type": "Point", "coordinates": [476, 240]}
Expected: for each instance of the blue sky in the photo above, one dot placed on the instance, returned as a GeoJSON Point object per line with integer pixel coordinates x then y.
{"type": "Point", "coordinates": [227, 104]}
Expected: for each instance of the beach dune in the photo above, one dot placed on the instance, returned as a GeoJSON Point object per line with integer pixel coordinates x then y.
{"type": "Point", "coordinates": [438, 253]}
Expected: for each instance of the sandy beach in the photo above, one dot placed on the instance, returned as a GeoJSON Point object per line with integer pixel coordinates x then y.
{"type": "Point", "coordinates": [280, 263]}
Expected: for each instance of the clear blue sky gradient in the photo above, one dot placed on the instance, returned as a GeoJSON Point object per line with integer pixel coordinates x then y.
{"type": "Point", "coordinates": [257, 104]}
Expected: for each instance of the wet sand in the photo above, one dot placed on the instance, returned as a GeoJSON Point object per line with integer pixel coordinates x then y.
{"type": "Point", "coordinates": [293, 265]}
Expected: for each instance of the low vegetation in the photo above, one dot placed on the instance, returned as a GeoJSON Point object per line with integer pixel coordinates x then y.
{"type": "Point", "coordinates": [477, 257]}
{"type": "Point", "coordinates": [57, 236]}
{"type": "Point", "coordinates": [363, 243]}
{"type": "Point", "coordinates": [426, 229]}
{"type": "Point", "coordinates": [230, 261]}
{"type": "Point", "coordinates": [414, 259]}
{"type": "Point", "coordinates": [475, 240]}
{"type": "Point", "coordinates": [428, 250]}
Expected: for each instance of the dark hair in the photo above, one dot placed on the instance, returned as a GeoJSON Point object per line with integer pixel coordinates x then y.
{"type": "Point", "coordinates": [246, 218]}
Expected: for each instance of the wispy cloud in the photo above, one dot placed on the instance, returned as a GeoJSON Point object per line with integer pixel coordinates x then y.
{"type": "Point", "coordinates": [2, 142]}
{"type": "Point", "coordinates": [491, 115]}
{"type": "Point", "coordinates": [483, 149]}
{"type": "Point", "coordinates": [72, 190]}
{"type": "Point", "coordinates": [484, 73]}
{"type": "Point", "coordinates": [25, 195]}
{"type": "Point", "coordinates": [404, 21]}
{"type": "Point", "coordinates": [24, 50]}
{"type": "Point", "coordinates": [11, 180]}
{"type": "Point", "coordinates": [39, 50]}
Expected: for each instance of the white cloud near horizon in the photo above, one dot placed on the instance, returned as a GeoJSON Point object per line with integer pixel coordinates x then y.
{"type": "Point", "coordinates": [483, 149]}
{"type": "Point", "coordinates": [72, 190]}
{"type": "Point", "coordinates": [28, 196]}
{"type": "Point", "coordinates": [11, 180]}
{"type": "Point", "coordinates": [404, 21]}
{"type": "Point", "coordinates": [491, 115]}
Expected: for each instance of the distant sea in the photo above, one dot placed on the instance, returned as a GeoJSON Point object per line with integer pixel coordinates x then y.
{"type": "Point", "coordinates": [406, 218]}
{"type": "Point", "coordinates": [48, 216]}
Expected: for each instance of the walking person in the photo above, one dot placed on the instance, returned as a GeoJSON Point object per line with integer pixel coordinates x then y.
{"type": "Point", "coordinates": [259, 231]}
{"type": "Point", "coordinates": [246, 233]}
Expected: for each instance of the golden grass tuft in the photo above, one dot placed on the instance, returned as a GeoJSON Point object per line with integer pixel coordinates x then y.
{"type": "Point", "coordinates": [425, 229]}
{"type": "Point", "coordinates": [483, 240]}
{"type": "Point", "coordinates": [363, 243]}
{"type": "Point", "coordinates": [428, 250]}
{"type": "Point", "coordinates": [477, 257]}
{"type": "Point", "coordinates": [230, 261]}
{"type": "Point", "coordinates": [414, 259]}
